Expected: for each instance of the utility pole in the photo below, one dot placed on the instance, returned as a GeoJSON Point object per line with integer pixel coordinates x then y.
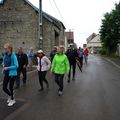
{"type": "Point", "coordinates": [40, 26]}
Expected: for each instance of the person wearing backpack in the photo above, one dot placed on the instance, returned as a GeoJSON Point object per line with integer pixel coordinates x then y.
{"type": "Point", "coordinates": [72, 55]}
{"type": "Point", "coordinates": [10, 65]}
{"type": "Point", "coordinates": [81, 55]}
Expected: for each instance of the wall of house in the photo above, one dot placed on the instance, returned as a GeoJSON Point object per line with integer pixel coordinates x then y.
{"type": "Point", "coordinates": [18, 24]}
{"type": "Point", "coordinates": [95, 42]}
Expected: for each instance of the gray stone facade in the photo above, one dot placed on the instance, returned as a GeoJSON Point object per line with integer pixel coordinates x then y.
{"type": "Point", "coordinates": [19, 26]}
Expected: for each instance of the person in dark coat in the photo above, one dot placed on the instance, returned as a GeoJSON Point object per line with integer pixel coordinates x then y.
{"type": "Point", "coordinates": [52, 54]}
{"type": "Point", "coordinates": [23, 62]}
{"type": "Point", "coordinates": [72, 55]}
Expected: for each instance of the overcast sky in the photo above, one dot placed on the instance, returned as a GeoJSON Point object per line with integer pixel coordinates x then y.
{"type": "Point", "coordinates": [81, 16]}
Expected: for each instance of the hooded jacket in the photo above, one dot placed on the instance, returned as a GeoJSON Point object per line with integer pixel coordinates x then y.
{"type": "Point", "coordinates": [60, 64]}
{"type": "Point", "coordinates": [13, 65]}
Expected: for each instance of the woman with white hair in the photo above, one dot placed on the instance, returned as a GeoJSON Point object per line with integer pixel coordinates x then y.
{"type": "Point", "coordinates": [43, 66]}
{"type": "Point", "coordinates": [10, 65]}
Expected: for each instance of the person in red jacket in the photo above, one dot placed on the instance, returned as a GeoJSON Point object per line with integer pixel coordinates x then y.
{"type": "Point", "coordinates": [86, 52]}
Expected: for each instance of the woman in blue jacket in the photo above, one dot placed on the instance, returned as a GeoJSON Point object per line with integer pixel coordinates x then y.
{"type": "Point", "coordinates": [10, 65]}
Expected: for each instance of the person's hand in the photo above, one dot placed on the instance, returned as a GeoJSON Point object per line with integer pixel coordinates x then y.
{"type": "Point", "coordinates": [5, 68]}
{"type": "Point", "coordinates": [3, 65]}
{"type": "Point", "coordinates": [24, 66]}
{"type": "Point", "coordinates": [51, 72]}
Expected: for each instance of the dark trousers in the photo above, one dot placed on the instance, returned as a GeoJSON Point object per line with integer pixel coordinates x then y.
{"type": "Point", "coordinates": [42, 77]}
{"type": "Point", "coordinates": [73, 66]}
{"type": "Point", "coordinates": [81, 61]}
{"type": "Point", "coordinates": [24, 73]}
{"type": "Point", "coordinates": [59, 81]}
{"type": "Point", "coordinates": [10, 80]}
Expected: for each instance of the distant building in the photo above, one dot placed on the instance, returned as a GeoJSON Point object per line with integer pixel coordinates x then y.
{"type": "Point", "coordinates": [84, 45]}
{"type": "Point", "coordinates": [93, 43]}
{"type": "Point", "coordinates": [19, 25]}
{"type": "Point", "coordinates": [70, 37]}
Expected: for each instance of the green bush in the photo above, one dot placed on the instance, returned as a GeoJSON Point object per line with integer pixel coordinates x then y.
{"type": "Point", "coordinates": [103, 52]}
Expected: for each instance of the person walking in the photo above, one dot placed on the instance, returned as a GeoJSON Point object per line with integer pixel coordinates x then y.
{"type": "Point", "coordinates": [10, 65]}
{"type": "Point", "coordinates": [31, 56]}
{"type": "Point", "coordinates": [60, 66]}
{"type": "Point", "coordinates": [43, 66]}
{"type": "Point", "coordinates": [81, 55]}
{"type": "Point", "coordinates": [72, 55]}
{"type": "Point", "coordinates": [86, 52]}
{"type": "Point", "coordinates": [52, 53]}
{"type": "Point", "coordinates": [23, 62]}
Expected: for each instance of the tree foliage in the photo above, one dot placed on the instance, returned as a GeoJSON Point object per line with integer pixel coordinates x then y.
{"type": "Point", "coordinates": [110, 30]}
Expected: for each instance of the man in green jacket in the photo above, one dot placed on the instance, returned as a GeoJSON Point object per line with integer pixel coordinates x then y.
{"type": "Point", "coordinates": [60, 66]}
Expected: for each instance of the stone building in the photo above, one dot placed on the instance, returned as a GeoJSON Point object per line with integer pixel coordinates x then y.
{"type": "Point", "coordinates": [19, 25]}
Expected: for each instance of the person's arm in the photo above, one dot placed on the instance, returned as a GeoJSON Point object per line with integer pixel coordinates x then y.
{"type": "Point", "coordinates": [53, 64]}
{"type": "Point", "coordinates": [15, 63]}
{"type": "Point", "coordinates": [26, 59]}
{"type": "Point", "coordinates": [67, 64]}
{"type": "Point", "coordinates": [48, 62]}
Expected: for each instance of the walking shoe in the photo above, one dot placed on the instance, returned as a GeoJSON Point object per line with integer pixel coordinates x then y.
{"type": "Point", "coordinates": [60, 93]}
{"type": "Point", "coordinates": [73, 78]}
{"type": "Point", "coordinates": [68, 80]}
{"type": "Point", "coordinates": [9, 98]}
{"type": "Point", "coordinates": [47, 85]}
{"type": "Point", "coordinates": [11, 103]}
{"type": "Point", "coordinates": [17, 87]}
{"type": "Point", "coordinates": [40, 90]}
{"type": "Point", "coordinates": [24, 84]}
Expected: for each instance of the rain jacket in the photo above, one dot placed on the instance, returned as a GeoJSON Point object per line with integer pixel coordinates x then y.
{"type": "Point", "coordinates": [14, 65]}
{"type": "Point", "coordinates": [60, 64]}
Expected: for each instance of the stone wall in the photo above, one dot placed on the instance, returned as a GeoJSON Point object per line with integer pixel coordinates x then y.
{"type": "Point", "coordinates": [19, 26]}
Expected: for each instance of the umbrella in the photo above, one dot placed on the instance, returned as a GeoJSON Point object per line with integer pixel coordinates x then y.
{"type": "Point", "coordinates": [78, 63]}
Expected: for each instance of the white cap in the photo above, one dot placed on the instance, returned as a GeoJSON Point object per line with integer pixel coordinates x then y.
{"type": "Point", "coordinates": [39, 51]}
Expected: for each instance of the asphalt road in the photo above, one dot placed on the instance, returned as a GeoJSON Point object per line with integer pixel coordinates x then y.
{"type": "Point", "coordinates": [94, 95]}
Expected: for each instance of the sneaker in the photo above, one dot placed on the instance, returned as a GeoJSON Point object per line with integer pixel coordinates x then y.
{"type": "Point", "coordinates": [47, 85]}
{"type": "Point", "coordinates": [68, 80]}
{"type": "Point", "coordinates": [60, 93]}
{"type": "Point", "coordinates": [24, 84]}
{"type": "Point", "coordinates": [73, 79]}
{"type": "Point", "coordinates": [11, 103]}
{"type": "Point", "coordinates": [17, 87]}
{"type": "Point", "coordinates": [40, 90]}
{"type": "Point", "coordinates": [9, 98]}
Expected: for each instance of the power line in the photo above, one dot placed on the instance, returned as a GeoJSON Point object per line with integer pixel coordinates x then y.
{"type": "Point", "coordinates": [53, 8]}
{"type": "Point", "coordinates": [59, 12]}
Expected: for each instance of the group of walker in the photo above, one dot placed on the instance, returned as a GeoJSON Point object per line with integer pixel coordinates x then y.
{"type": "Point", "coordinates": [60, 63]}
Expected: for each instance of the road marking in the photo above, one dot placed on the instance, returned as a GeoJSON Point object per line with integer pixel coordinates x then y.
{"type": "Point", "coordinates": [112, 62]}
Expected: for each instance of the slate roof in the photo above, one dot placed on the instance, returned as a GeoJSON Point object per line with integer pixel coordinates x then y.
{"type": "Point", "coordinates": [52, 19]}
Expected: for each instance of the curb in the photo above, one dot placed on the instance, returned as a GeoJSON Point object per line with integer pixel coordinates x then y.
{"type": "Point", "coordinates": [116, 65]}
{"type": "Point", "coordinates": [27, 73]}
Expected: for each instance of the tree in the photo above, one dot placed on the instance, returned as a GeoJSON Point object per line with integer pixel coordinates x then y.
{"type": "Point", "coordinates": [110, 30]}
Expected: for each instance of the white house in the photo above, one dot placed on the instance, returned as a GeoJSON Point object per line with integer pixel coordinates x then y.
{"type": "Point", "coordinates": [93, 43]}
